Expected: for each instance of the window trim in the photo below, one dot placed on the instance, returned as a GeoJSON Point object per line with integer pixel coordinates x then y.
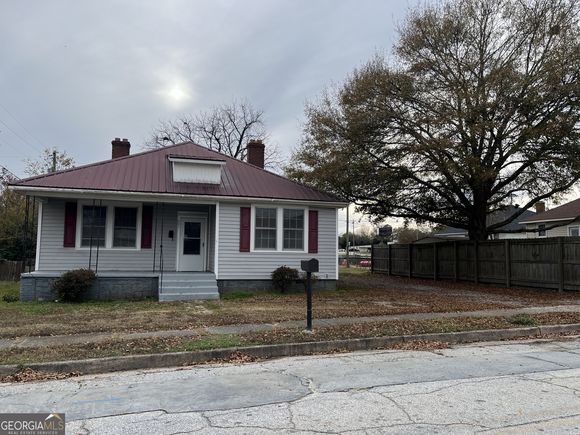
{"type": "Point", "coordinates": [109, 224]}
{"type": "Point", "coordinates": [304, 227]}
{"type": "Point", "coordinates": [575, 227]}
{"type": "Point", "coordinates": [279, 228]}
{"type": "Point", "coordinates": [253, 229]}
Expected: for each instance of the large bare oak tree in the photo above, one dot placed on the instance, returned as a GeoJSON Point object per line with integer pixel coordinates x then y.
{"type": "Point", "coordinates": [478, 106]}
{"type": "Point", "coordinates": [227, 129]}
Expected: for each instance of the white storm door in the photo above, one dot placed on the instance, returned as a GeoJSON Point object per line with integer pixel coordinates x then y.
{"type": "Point", "coordinates": [192, 245]}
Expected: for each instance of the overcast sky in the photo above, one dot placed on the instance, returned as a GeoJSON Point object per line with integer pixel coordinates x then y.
{"type": "Point", "coordinates": [76, 74]}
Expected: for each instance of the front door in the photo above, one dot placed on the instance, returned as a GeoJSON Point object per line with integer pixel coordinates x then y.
{"type": "Point", "coordinates": [191, 246]}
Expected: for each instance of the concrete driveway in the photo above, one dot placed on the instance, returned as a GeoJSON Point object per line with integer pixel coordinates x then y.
{"type": "Point", "coordinates": [517, 387]}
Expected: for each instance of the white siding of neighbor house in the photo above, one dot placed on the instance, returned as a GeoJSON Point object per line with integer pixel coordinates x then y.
{"type": "Point", "coordinates": [561, 231]}
{"type": "Point", "coordinates": [235, 265]}
{"type": "Point", "coordinates": [53, 257]}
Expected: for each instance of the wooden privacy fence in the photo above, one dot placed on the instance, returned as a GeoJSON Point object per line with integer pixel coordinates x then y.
{"type": "Point", "coordinates": [11, 270]}
{"type": "Point", "coordinates": [552, 263]}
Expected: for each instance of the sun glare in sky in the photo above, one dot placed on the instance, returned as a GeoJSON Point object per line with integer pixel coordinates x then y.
{"type": "Point", "coordinates": [176, 93]}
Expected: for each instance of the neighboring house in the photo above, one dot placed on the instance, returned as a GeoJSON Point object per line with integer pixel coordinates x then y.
{"type": "Point", "coordinates": [513, 230]}
{"type": "Point", "coordinates": [177, 223]}
{"type": "Point", "coordinates": [562, 221]}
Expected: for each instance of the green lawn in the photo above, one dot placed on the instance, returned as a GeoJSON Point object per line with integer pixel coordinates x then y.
{"type": "Point", "coordinates": [8, 289]}
{"type": "Point", "coordinates": [354, 270]}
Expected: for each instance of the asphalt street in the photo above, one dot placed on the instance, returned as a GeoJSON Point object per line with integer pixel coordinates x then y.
{"type": "Point", "coordinates": [512, 387]}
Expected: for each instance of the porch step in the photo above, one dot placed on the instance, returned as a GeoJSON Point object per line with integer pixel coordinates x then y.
{"type": "Point", "coordinates": [168, 297]}
{"type": "Point", "coordinates": [182, 286]}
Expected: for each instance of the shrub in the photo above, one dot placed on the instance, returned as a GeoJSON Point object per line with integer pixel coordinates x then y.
{"type": "Point", "coordinates": [283, 277]}
{"type": "Point", "coordinates": [10, 298]}
{"type": "Point", "coordinates": [73, 283]}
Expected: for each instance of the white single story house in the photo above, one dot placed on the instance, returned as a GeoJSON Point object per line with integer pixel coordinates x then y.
{"type": "Point", "coordinates": [179, 222]}
{"type": "Point", "coordinates": [562, 221]}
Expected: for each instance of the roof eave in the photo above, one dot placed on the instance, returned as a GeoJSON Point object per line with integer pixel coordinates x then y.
{"type": "Point", "coordinates": [159, 196]}
{"type": "Point", "coordinates": [539, 221]}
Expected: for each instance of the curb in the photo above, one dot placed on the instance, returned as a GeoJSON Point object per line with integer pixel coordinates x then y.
{"type": "Point", "coordinates": [175, 359]}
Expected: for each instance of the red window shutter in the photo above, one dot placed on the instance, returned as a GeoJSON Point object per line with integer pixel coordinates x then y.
{"type": "Point", "coordinates": [245, 217]}
{"type": "Point", "coordinates": [313, 231]}
{"type": "Point", "coordinates": [70, 225]}
{"type": "Point", "coordinates": [146, 226]}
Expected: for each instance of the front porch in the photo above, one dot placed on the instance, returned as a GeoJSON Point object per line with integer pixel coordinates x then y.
{"type": "Point", "coordinates": [137, 249]}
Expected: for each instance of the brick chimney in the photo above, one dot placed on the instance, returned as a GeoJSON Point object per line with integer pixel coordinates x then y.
{"type": "Point", "coordinates": [256, 153]}
{"type": "Point", "coordinates": [540, 207]}
{"type": "Point", "coordinates": [121, 148]}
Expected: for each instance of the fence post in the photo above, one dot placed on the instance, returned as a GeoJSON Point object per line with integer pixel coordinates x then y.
{"type": "Point", "coordinates": [508, 263]}
{"type": "Point", "coordinates": [476, 259]}
{"type": "Point", "coordinates": [410, 260]}
{"type": "Point", "coordinates": [372, 258]}
{"type": "Point", "coordinates": [455, 262]}
{"type": "Point", "coordinates": [435, 261]}
{"type": "Point", "coordinates": [560, 264]}
{"type": "Point", "coordinates": [389, 261]}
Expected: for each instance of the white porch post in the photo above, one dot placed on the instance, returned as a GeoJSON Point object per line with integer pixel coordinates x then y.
{"type": "Point", "coordinates": [38, 236]}
{"type": "Point", "coordinates": [217, 240]}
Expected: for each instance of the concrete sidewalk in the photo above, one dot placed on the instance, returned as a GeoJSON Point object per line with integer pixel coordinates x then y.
{"type": "Point", "coordinates": [56, 340]}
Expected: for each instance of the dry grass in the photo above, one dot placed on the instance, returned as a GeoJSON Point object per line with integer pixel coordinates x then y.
{"type": "Point", "coordinates": [359, 294]}
{"type": "Point", "coordinates": [293, 335]}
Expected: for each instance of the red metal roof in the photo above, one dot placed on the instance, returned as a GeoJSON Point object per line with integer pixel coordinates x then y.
{"type": "Point", "coordinates": [150, 172]}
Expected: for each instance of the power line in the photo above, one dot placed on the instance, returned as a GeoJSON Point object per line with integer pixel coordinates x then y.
{"type": "Point", "coordinates": [21, 125]}
{"type": "Point", "coordinates": [20, 137]}
{"type": "Point", "coordinates": [14, 147]}
{"type": "Point", "coordinates": [5, 170]}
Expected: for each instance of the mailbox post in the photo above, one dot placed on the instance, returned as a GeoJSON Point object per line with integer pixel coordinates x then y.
{"type": "Point", "coordinates": [309, 266]}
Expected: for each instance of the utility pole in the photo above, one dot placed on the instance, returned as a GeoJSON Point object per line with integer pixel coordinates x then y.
{"type": "Point", "coordinates": [53, 161]}
{"type": "Point", "coordinates": [347, 247]}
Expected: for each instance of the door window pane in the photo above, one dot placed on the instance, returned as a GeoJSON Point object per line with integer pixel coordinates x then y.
{"type": "Point", "coordinates": [293, 229]}
{"type": "Point", "coordinates": [94, 220]}
{"type": "Point", "coordinates": [191, 247]}
{"type": "Point", "coordinates": [191, 238]}
{"type": "Point", "coordinates": [192, 229]}
{"type": "Point", "coordinates": [125, 229]}
{"type": "Point", "coordinates": [265, 228]}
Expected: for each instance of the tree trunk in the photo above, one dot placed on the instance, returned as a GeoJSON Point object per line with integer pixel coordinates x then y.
{"type": "Point", "coordinates": [478, 220]}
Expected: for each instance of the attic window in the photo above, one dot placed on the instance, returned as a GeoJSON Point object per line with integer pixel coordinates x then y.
{"type": "Point", "coordinates": [195, 170]}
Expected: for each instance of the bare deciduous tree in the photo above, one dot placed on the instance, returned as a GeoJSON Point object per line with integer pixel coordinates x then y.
{"type": "Point", "coordinates": [227, 129]}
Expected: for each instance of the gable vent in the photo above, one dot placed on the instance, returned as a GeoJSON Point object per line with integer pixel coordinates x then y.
{"type": "Point", "coordinates": [195, 170]}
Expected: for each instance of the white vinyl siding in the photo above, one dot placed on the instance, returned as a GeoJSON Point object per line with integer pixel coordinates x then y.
{"type": "Point", "coordinates": [561, 231]}
{"type": "Point", "coordinates": [53, 257]}
{"type": "Point", "coordinates": [234, 264]}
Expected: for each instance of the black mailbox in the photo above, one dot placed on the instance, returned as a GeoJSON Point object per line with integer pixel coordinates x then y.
{"type": "Point", "coordinates": [309, 265]}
